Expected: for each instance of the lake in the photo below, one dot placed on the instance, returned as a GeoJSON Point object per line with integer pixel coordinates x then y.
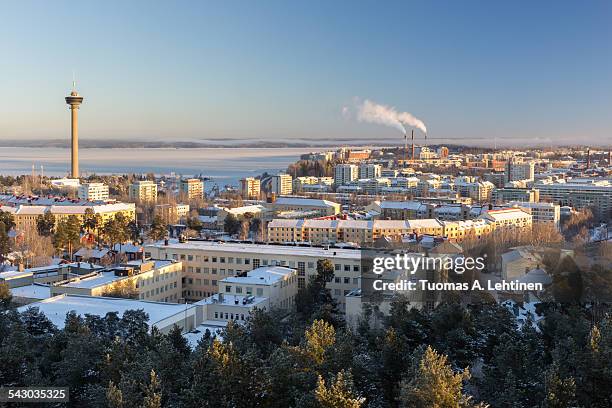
{"type": "Point", "coordinates": [223, 165]}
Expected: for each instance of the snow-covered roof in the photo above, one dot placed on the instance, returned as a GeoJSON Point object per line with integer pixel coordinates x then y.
{"type": "Point", "coordinates": [33, 291]}
{"type": "Point", "coordinates": [56, 308]}
{"type": "Point", "coordinates": [265, 275]}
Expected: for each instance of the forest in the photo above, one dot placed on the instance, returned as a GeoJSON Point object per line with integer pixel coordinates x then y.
{"type": "Point", "coordinates": [456, 355]}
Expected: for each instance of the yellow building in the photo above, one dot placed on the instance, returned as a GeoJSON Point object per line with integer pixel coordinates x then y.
{"type": "Point", "coordinates": [250, 188]}
{"type": "Point", "coordinates": [26, 216]}
{"type": "Point", "coordinates": [155, 280]}
{"type": "Point", "coordinates": [192, 188]}
{"type": "Point", "coordinates": [143, 190]}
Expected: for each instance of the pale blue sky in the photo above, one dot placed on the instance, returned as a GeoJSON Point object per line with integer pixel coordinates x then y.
{"type": "Point", "coordinates": [281, 70]}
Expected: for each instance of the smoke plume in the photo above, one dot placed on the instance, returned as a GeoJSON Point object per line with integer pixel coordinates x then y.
{"type": "Point", "coordinates": [371, 112]}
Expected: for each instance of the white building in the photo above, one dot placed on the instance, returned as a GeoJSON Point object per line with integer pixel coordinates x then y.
{"type": "Point", "coordinates": [345, 173]}
{"type": "Point", "coordinates": [369, 171]}
{"type": "Point", "coordinates": [163, 316]}
{"type": "Point", "coordinates": [542, 213]}
{"type": "Point", "coordinates": [93, 192]}
{"type": "Point", "coordinates": [520, 170]}
{"type": "Point", "coordinates": [205, 263]}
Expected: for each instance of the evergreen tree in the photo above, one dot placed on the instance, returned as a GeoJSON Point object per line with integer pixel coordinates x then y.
{"type": "Point", "coordinates": [114, 397]}
{"type": "Point", "coordinates": [5, 296]}
{"type": "Point", "coordinates": [45, 224]}
{"type": "Point", "coordinates": [158, 230]}
{"type": "Point", "coordinates": [339, 394]}
{"type": "Point", "coordinates": [152, 397]}
{"type": "Point", "coordinates": [231, 224]}
{"type": "Point", "coordinates": [434, 384]}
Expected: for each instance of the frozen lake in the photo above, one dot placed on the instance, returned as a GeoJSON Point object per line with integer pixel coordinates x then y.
{"type": "Point", "coordinates": [223, 165]}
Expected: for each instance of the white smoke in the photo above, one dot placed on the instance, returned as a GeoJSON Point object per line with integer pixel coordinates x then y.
{"type": "Point", "coordinates": [371, 112]}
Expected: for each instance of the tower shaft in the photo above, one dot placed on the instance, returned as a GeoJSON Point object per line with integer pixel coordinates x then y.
{"type": "Point", "coordinates": [74, 155]}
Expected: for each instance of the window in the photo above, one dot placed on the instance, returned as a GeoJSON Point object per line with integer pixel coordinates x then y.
{"type": "Point", "coordinates": [337, 280]}
{"type": "Point", "coordinates": [198, 270]}
{"type": "Point", "coordinates": [347, 268]}
{"type": "Point", "coordinates": [190, 257]}
{"type": "Point", "coordinates": [222, 259]}
{"type": "Point", "coordinates": [214, 271]}
{"type": "Point", "coordinates": [214, 259]}
{"type": "Point", "coordinates": [249, 290]}
{"type": "Point", "coordinates": [301, 269]}
{"type": "Point", "coordinates": [182, 257]}
{"type": "Point", "coordinates": [228, 289]}
{"type": "Point", "coordinates": [230, 260]}
{"type": "Point", "coordinates": [238, 289]}
{"type": "Point", "coordinates": [347, 281]}
{"type": "Point", "coordinates": [239, 261]}
{"type": "Point", "coordinates": [214, 282]}
{"type": "Point", "coordinates": [247, 261]}
{"type": "Point", "coordinates": [205, 281]}
{"type": "Point", "coordinates": [355, 268]}
{"type": "Point", "coordinates": [337, 267]}
{"type": "Point", "coordinates": [311, 265]}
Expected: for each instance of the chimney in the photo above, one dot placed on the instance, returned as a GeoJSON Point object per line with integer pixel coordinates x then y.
{"type": "Point", "coordinates": [588, 163]}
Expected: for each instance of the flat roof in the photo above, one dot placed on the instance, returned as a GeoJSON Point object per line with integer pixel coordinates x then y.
{"type": "Point", "coordinates": [260, 249]}
{"type": "Point", "coordinates": [265, 275]}
{"type": "Point", "coordinates": [57, 307]}
{"type": "Point", "coordinates": [34, 291]}
{"type": "Point", "coordinates": [230, 300]}
{"type": "Point", "coordinates": [91, 282]}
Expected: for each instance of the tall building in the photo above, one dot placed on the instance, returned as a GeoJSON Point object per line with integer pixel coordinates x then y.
{"type": "Point", "coordinates": [74, 100]}
{"type": "Point", "coordinates": [369, 171]}
{"type": "Point", "coordinates": [345, 173]}
{"type": "Point", "coordinates": [93, 192]}
{"type": "Point", "coordinates": [192, 188]}
{"type": "Point", "coordinates": [516, 170]}
{"type": "Point", "coordinates": [443, 152]}
{"type": "Point", "coordinates": [143, 190]}
{"type": "Point", "coordinates": [250, 188]}
{"type": "Point", "coordinates": [282, 184]}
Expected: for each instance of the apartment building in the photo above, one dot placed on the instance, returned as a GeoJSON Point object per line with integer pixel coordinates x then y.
{"type": "Point", "coordinates": [192, 189]}
{"type": "Point", "coordinates": [479, 191]}
{"type": "Point", "coordinates": [281, 184]}
{"type": "Point", "coordinates": [93, 192]}
{"type": "Point", "coordinates": [26, 216]}
{"type": "Point", "coordinates": [172, 213]}
{"type": "Point", "coordinates": [520, 170]}
{"type": "Point", "coordinates": [360, 232]}
{"type": "Point", "coordinates": [153, 280]}
{"type": "Point", "coordinates": [250, 188]}
{"type": "Point", "coordinates": [508, 219]}
{"type": "Point", "coordinates": [542, 213]}
{"type": "Point", "coordinates": [143, 190]}
{"type": "Point", "coordinates": [400, 210]}
{"type": "Point", "coordinates": [322, 207]}
{"type": "Point", "coordinates": [502, 195]}
{"type": "Point", "coordinates": [205, 263]}
{"type": "Point", "coordinates": [458, 231]}
{"type": "Point", "coordinates": [369, 171]}
{"type": "Point", "coordinates": [580, 193]}
{"type": "Point", "coordinates": [345, 173]}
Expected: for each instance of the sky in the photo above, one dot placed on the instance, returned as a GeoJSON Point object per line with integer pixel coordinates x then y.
{"type": "Point", "coordinates": [278, 70]}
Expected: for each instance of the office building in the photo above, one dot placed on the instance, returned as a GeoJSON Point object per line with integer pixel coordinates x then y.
{"type": "Point", "coordinates": [205, 263]}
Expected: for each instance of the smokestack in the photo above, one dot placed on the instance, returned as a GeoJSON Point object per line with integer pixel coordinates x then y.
{"type": "Point", "coordinates": [588, 163]}
{"type": "Point", "coordinates": [405, 149]}
{"type": "Point", "coordinates": [412, 146]}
